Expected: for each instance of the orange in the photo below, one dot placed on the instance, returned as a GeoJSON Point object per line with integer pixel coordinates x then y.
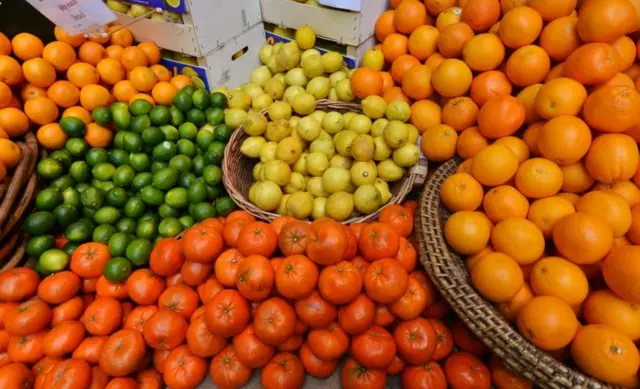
{"type": "Point", "coordinates": [489, 84]}
{"type": "Point", "coordinates": [143, 96]}
{"type": "Point", "coordinates": [483, 52]}
{"type": "Point", "coordinates": [633, 71]}
{"type": "Point", "coordinates": [612, 108]}
{"type": "Point", "coordinates": [453, 38]}
{"type": "Point", "coordinates": [152, 52]}
{"type": "Point", "coordinates": [102, 38]}
{"type": "Point", "coordinates": [39, 72]}
{"type": "Point", "coordinates": [528, 65]}
{"type": "Point", "coordinates": [111, 71]}
{"type": "Point", "coordinates": [519, 238]}
{"type": "Point", "coordinates": [494, 165]}
{"type": "Point", "coordinates": [124, 91]}
{"type": "Point", "coordinates": [132, 57]}
{"type": "Point", "coordinates": [553, 9]}
{"type": "Point", "coordinates": [59, 54]}
{"type": "Point", "coordinates": [143, 78]}
{"type": "Point", "coordinates": [605, 353]}
{"type": "Point", "coordinates": [627, 189]}
{"type": "Point", "coordinates": [78, 112]}
{"type": "Point", "coordinates": [180, 81]}
{"type": "Point", "coordinates": [609, 207]}
{"type": "Point", "coordinates": [417, 82]}
{"type": "Point", "coordinates": [26, 46]}
{"type": "Point", "coordinates": [5, 45]}
{"type": "Point", "coordinates": [434, 61]}
{"type": "Point", "coordinates": [620, 168]}
{"type": "Point", "coordinates": [501, 116]}
{"type": "Point", "coordinates": [435, 7]}
{"type": "Point", "coordinates": [517, 146]}
{"type": "Point", "coordinates": [560, 96]}
{"type": "Point", "coordinates": [467, 232]}
{"type": "Point", "coordinates": [394, 93]}
{"type": "Point", "coordinates": [81, 74]}
{"type": "Point", "coordinates": [10, 71]}
{"type": "Point", "coordinates": [161, 72]}
{"type": "Point", "coordinates": [465, 167]}
{"type": "Point", "coordinates": [385, 25]}
{"type": "Point", "coordinates": [564, 139]}
{"type": "Point", "coordinates": [163, 93]}
{"type": "Point", "coordinates": [366, 82]}
{"type": "Point", "coordinates": [626, 49]}
{"type": "Point", "coordinates": [592, 63]}
{"type": "Point", "coordinates": [394, 46]}
{"type": "Point", "coordinates": [470, 142]}
{"type": "Point", "coordinates": [387, 81]}
{"type": "Point", "coordinates": [63, 36]}
{"type": "Point", "coordinates": [544, 213]}
{"type": "Point", "coordinates": [497, 277]}
{"type": "Point", "coordinates": [510, 309]}
{"type": "Point", "coordinates": [527, 97]}
{"type": "Point", "coordinates": [555, 276]}
{"type": "Point", "coordinates": [621, 270]}
{"type": "Point", "coordinates": [620, 79]}
{"type": "Point", "coordinates": [94, 96]}
{"type": "Point", "coordinates": [555, 72]}
{"type": "Point", "coordinates": [401, 65]}
{"type": "Point", "coordinates": [605, 20]}
{"type": "Point", "coordinates": [9, 153]}
{"type": "Point", "coordinates": [410, 14]}
{"type": "Point", "coordinates": [425, 114]}
{"type": "Point", "coordinates": [41, 110]}
{"type": "Point", "coordinates": [538, 177]}
{"type": "Point", "coordinates": [120, 36]}
{"type": "Point", "coordinates": [576, 178]}
{"type": "Point", "coordinates": [114, 51]}
{"type": "Point", "coordinates": [481, 14]}
{"type": "Point", "coordinates": [423, 42]}
{"type": "Point", "coordinates": [92, 53]}
{"type": "Point", "coordinates": [560, 38]}
{"type": "Point", "coordinates": [461, 192]}
{"type": "Point", "coordinates": [448, 17]}
{"type": "Point", "coordinates": [438, 143]}
{"type": "Point", "coordinates": [581, 238]}
{"type": "Point", "coordinates": [452, 78]}
{"type": "Point", "coordinates": [604, 307]}
{"type": "Point", "coordinates": [51, 136]}
{"type": "Point", "coordinates": [5, 95]}
{"type": "Point", "coordinates": [460, 113]}
{"type": "Point", "coordinates": [504, 202]}
{"type": "Point", "coordinates": [547, 322]}
{"type": "Point", "coordinates": [3, 134]}
{"type": "Point", "coordinates": [98, 136]}
{"type": "Point", "coordinates": [64, 93]}
{"type": "Point", "coordinates": [570, 197]}
{"type": "Point", "coordinates": [520, 27]}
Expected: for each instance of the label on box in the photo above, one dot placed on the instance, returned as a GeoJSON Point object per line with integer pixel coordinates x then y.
{"type": "Point", "coordinates": [177, 67]}
{"type": "Point", "coordinates": [351, 5]}
{"type": "Point", "coordinates": [272, 38]}
{"type": "Point", "coordinates": [75, 16]}
{"type": "Point", "coordinates": [148, 3]}
{"type": "Point", "coordinates": [178, 6]}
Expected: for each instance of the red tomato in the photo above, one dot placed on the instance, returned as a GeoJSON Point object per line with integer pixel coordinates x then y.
{"type": "Point", "coordinates": [465, 371]}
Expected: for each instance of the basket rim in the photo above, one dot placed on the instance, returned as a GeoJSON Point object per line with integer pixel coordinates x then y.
{"type": "Point", "coordinates": [446, 270]}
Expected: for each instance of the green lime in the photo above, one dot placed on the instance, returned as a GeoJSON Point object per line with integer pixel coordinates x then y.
{"type": "Point", "coordinates": [187, 221]}
{"type": "Point", "coordinates": [177, 117]}
{"type": "Point", "coordinates": [170, 133]}
{"type": "Point", "coordinates": [126, 225]}
{"type": "Point", "coordinates": [39, 223]}
{"type": "Point", "coordinates": [140, 123]}
{"type": "Point", "coordinates": [102, 116]}
{"type": "Point", "coordinates": [188, 130]}
{"type": "Point", "coordinates": [70, 247]}
{"type": "Point", "coordinates": [222, 133]}
{"type": "Point", "coordinates": [224, 206]}
{"type": "Point", "coordinates": [177, 198]}
{"type": "Point", "coordinates": [41, 272]}
{"type": "Point", "coordinates": [66, 214]}
{"type": "Point", "coordinates": [138, 251]}
{"type": "Point", "coordinates": [54, 260]}
{"type": "Point", "coordinates": [132, 142]}
{"type": "Point", "coordinates": [77, 147]}
{"type": "Point", "coordinates": [62, 183]}
{"type": "Point", "coordinates": [165, 211]}
{"type": "Point", "coordinates": [80, 171]}
{"type": "Point", "coordinates": [165, 178]}
{"type": "Point", "coordinates": [103, 171]}
{"type": "Point", "coordinates": [186, 179]}
{"type": "Point", "coordinates": [152, 136]}
{"type": "Point", "coordinates": [203, 211]}
{"type": "Point", "coordinates": [123, 176]}
{"type": "Point", "coordinates": [92, 198]}
{"type": "Point", "coordinates": [118, 243]}
{"type": "Point", "coordinates": [183, 101]}
{"type": "Point", "coordinates": [134, 207]}
{"type": "Point", "coordinates": [212, 174]}
{"type": "Point", "coordinates": [81, 187]}
{"type": "Point", "coordinates": [189, 89]}
{"type": "Point", "coordinates": [151, 215]}
{"type": "Point", "coordinates": [71, 196]}
{"type": "Point", "coordinates": [95, 156]}
{"type": "Point", "coordinates": [215, 116]}
{"type": "Point", "coordinates": [140, 162]}
{"type": "Point", "coordinates": [165, 151]}
{"type": "Point", "coordinates": [186, 147]}
{"type": "Point", "coordinates": [49, 169]}
{"type": "Point", "coordinates": [118, 157]}
{"type": "Point", "coordinates": [141, 180]}
{"type": "Point", "coordinates": [204, 139]}
{"type": "Point", "coordinates": [170, 227]}
{"type": "Point", "coordinates": [118, 139]}
{"type": "Point", "coordinates": [160, 115]}
{"type": "Point", "coordinates": [214, 191]}
{"type": "Point", "coordinates": [158, 165]}
{"type": "Point", "coordinates": [36, 245]}
{"type": "Point", "coordinates": [140, 107]}
{"type": "Point", "coordinates": [181, 163]}
{"type": "Point", "coordinates": [146, 229]}
{"type": "Point", "coordinates": [214, 153]}
{"type": "Point", "coordinates": [198, 165]}
{"type": "Point", "coordinates": [104, 186]}
{"type": "Point", "coordinates": [151, 195]}
{"type": "Point", "coordinates": [117, 270]}
{"type": "Point", "coordinates": [117, 106]}
{"type": "Point", "coordinates": [62, 156]}
{"type": "Point", "coordinates": [48, 199]}
{"type": "Point", "coordinates": [201, 99]}
{"type": "Point", "coordinates": [79, 231]}
{"type": "Point", "coordinates": [122, 119]}
{"type": "Point", "coordinates": [103, 233]}
{"type": "Point", "coordinates": [117, 197]}
{"type": "Point", "coordinates": [88, 213]}
{"type": "Point", "coordinates": [218, 100]}
{"type": "Point", "coordinates": [196, 117]}
{"type": "Point", "coordinates": [197, 192]}
{"type": "Point", "coordinates": [75, 127]}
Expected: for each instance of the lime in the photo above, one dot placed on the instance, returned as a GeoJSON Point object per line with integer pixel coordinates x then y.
{"type": "Point", "coordinates": [212, 174]}
{"type": "Point", "coordinates": [118, 243]}
{"type": "Point", "coordinates": [141, 180]}
{"type": "Point", "coordinates": [103, 171]}
{"type": "Point", "coordinates": [132, 142]}
{"type": "Point", "coordinates": [160, 115]}
{"type": "Point", "coordinates": [37, 245]}
{"type": "Point", "coordinates": [165, 178]}
{"type": "Point", "coordinates": [134, 207]}
{"type": "Point", "coordinates": [39, 223]}
{"type": "Point", "coordinates": [62, 183]}
{"type": "Point", "coordinates": [92, 198]}
{"type": "Point", "coordinates": [213, 191]}
{"type": "Point", "coordinates": [62, 156]}
{"type": "Point", "coordinates": [201, 99]}
{"type": "Point", "coordinates": [146, 229]}
{"type": "Point", "coordinates": [101, 115]}
{"type": "Point", "coordinates": [117, 197]}
{"type": "Point", "coordinates": [204, 139]}
{"type": "Point", "coordinates": [189, 89]}
{"type": "Point", "coordinates": [49, 169]}
{"type": "Point", "coordinates": [126, 225]}
{"type": "Point", "coordinates": [117, 269]}
{"type": "Point", "coordinates": [197, 192]}
{"type": "Point", "coordinates": [41, 272]}
{"type": "Point", "coordinates": [177, 198]}
{"type": "Point", "coordinates": [158, 165]}
{"type": "Point", "coordinates": [217, 151]}
{"type": "Point", "coordinates": [81, 187]}
{"type": "Point", "coordinates": [150, 215]}
{"type": "Point", "coordinates": [165, 211]}
{"type": "Point", "coordinates": [165, 151]}
{"type": "Point", "coordinates": [140, 123]}
{"type": "Point", "coordinates": [215, 116]}
{"type": "Point", "coordinates": [77, 147]}
{"type": "Point", "coordinates": [88, 213]}
{"type": "Point", "coordinates": [140, 162]}
{"type": "Point", "coordinates": [183, 100]}
{"type": "Point", "coordinates": [170, 227]}
{"type": "Point", "coordinates": [170, 133]}
{"type": "Point", "coordinates": [224, 206]}
{"type": "Point", "coordinates": [152, 136]}
{"type": "Point", "coordinates": [122, 119]}
{"type": "Point", "coordinates": [181, 163]}
{"type": "Point", "coordinates": [123, 176]}
{"type": "Point", "coordinates": [75, 127]}
{"type": "Point", "coordinates": [118, 157]}
{"type": "Point", "coordinates": [66, 214]}
{"type": "Point", "coordinates": [118, 139]}
{"type": "Point", "coordinates": [103, 233]}
{"type": "Point", "coordinates": [95, 156]}
{"type": "Point", "coordinates": [70, 247]}
{"type": "Point", "coordinates": [186, 179]}
{"type": "Point", "coordinates": [198, 164]}
{"type": "Point", "coordinates": [53, 260]}
{"type": "Point", "coordinates": [71, 196]}
{"type": "Point", "coordinates": [187, 221]}
{"type": "Point", "coordinates": [218, 100]}
{"type": "Point", "coordinates": [104, 186]}
{"type": "Point", "coordinates": [151, 195]}
{"type": "Point", "coordinates": [138, 251]}
{"type": "Point", "coordinates": [203, 211]}
{"type": "Point", "coordinates": [186, 147]}
{"type": "Point", "coordinates": [196, 117]}
{"type": "Point", "coordinates": [80, 172]}
{"type": "Point", "coordinates": [188, 130]}
{"type": "Point", "coordinates": [79, 231]}
{"type": "Point", "coordinates": [48, 199]}
{"type": "Point", "coordinates": [222, 133]}
{"type": "Point", "coordinates": [140, 107]}
{"type": "Point", "coordinates": [177, 117]}
{"type": "Point", "coordinates": [117, 106]}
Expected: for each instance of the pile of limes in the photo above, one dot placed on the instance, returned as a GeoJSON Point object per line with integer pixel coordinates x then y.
{"type": "Point", "coordinates": [160, 175]}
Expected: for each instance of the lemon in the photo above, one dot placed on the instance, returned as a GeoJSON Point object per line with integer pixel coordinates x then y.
{"type": "Point", "coordinates": [275, 88]}
{"type": "Point", "coordinates": [389, 171]}
{"type": "Point", "coordinates": [318, 116]}
{"type": "Point", "coordinates": [373, 59]}
{"type": "Point", "coordinates": [279, 77]}
{"type": "Point", "coordinates": [324, 146]}
{"type": "Point", "coordinates": [314, 186]}
{"type": "Point", "coordinates": [308, 129]}
{"type": "Point", "coordinates": [291, 92]}
{"type": "Point", "coordinates": [335, 77]}
{"type": "Point", "coordinates": [260, 76]}
{"type": "Point", "coordinates": [305, 37]}
{"type": "Point", "coordinates": [252, 145]}
{"type": "Point", "coordinates": [378, 127]}
{"type": "Point", "coordinates": [381, 150]}
{"type": "Point", "coordinates": [319, 87]}
{"type": "Point", "coordinates": [383, 187]}
{"type": "Point", "coordinates": [304, 103]}
{"type": "Point", "coordinates": [332, 62]}
{"type": "Point", "coordinates": [319, 206]}
{"type": "Point", "coordinates": [339, 206]}
{"type": "Point", "coordinates": [289, 150]}
{"type": "Point", "coordinates": [317, 163]}
{"type": "Point", "coordinates": [268, 152]}
{"type": "Point", "coordinates": [414, 134]}
{"type": "Point", "coordinates": [255, 123]}
{"type": "Point", "coordinates": [261, 102]}
{"type": "Point", "coordinates": [309, 53]}
{"type": "Point", "coordinates": [284, 32]}
{"type": "Point", "coordinates": [234, 117]}
{"type": "Point", "coordinates": [300, 205]}
{"type": "Point", "coordinates": [301, 165]}
{"type": "Point", "coordinates": [239, 99]}
{"type": "Point", "coordinates": [277, 172]}
{"type": "Point", "coordinates": [395, 134]}
{"type": "Point", "coordinates": [343, 90]}
{"type": "Point", "coordinates": [362, 147]}
{"type": "Point", "coordinates": [312, 66]}
{"type": "Point", "coordinates": [257, 171]}
{"type": "Point", "coordinates": [279, 110]}
{"type": "Point", "coordinates": [278, 130]}
{"type": "Point", "coordinates": [296, 76]}
{"type": "Point", "coordinates": [364, 173]}
{"type": "Point", "coordinates": [267, 195]}
{"type": "Point", "coordinates": [333, 95]}
{"type": "Point", "coordinates": [252, 192]}
{"type": "Point", "coordinates": [336, 179]}
{"type": "Point", "coordinates": [343, 141]}
{"type": "Point", "coordinates": [297, 183]}
{"type": "Point", "coordinates": [407, 155]}
{"type": "Point", "coordinates": [360, 124]}
{"type": "Point", "coordinates": [347, 117]}
{"type": "Point", "coordinates": [367, 199]}
{"type": "Point", "coordinates": [332, 122]}
{"type": "Point", "coordinates": [340, 161]}
{"type": "Point", "coordinates": [374, 107]}
{"type": "Point", "coordinates": [398, 110]}
{"type": "Point", "coordinates": [282, 207]}
{"type": "Point", "coordinates": [252, 90]}
{"type": "Point", "coordinates": [266, 52]}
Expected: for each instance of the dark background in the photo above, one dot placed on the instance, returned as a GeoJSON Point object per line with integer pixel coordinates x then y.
{"type": "Point", "coordinates": [19, 16]}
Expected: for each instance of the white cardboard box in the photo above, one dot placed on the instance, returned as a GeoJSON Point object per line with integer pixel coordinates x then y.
{"type": "Point", "coordinates": [339, 25]}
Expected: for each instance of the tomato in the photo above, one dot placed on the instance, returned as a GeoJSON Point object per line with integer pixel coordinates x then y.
{"type": "Point", "coordinates": [165, 330]}
{"type": "Point", "coordinates": [340, 283]}
{"type": "Point", "coordinates": [41, 369]}
{"type": "Point", "coordinates": [315, 366]}
{"type": "Point", "coordinates": [396, 367]}
{"type": "Point", "coordinates": [301, 327]}
{"type": "Point", "coordinates": [106, 288]}
{"type": "Point", "coordinates": [444, 340]}
{"type": "Point", "coordinates": [463, 370]}
{"type": "Point", "coordinates": [202, 244]}
{"type": "Point", "coordinates": [383, 317]}
{"type": "Point", "coordinates": [356, 376]}
{"type": "Point", "coordinates": [174, 280]}
{"type": "Point", "coordinates": [4, 359]}
{"type": "Point", "coordinates": [412, 302]}
{"type": "Point", "coordinates": [208, 289]}
{"type": "Point", "coordinates": [379, 240]}
{"type": "Point", "coordinates": [361, 264]}
{"type": "Point", "coordinates": [181, 299]}
{"type": "Point", "coordinates": [375, 348]}
{"type": "Point", "coordinates": [15, 376]}
{"type": "Point", "coordinates": [4, 308]}
{"type": "Point", "coordinates": [59, 287]}
{"type": "Point", "coordinates": [159, 358]}
{"type": "Point", "coordinates": [26, 349]}
{"type": "Point", "coordinates": [329, 343]}
{"type": "Point", "coordinates": [226, 267]}
{"type": "Point", "coordinates": [69, 310]}
{"type": "Point", "coordinates": [27, 318]}
{"type": "Point", "coordinates": [103, 316]}
{"type": "Point", "coordinates": [99, 379]}
{"type": "Point", "coordinates": [250, 350]}
{"type": "Point", "coordinates": [385, 281]}
{"type": "Point", "coordinates": [18, 284]}
{"type": "Point", "coordinates": [201, 341]}
{"type": "Point", "coordinates": [4, 340]}
{"type": "Point", "coordinates": [407, 255]}
{"type": "Point", "coordinates": [430, 290]}
{"type": "Point", "coordinates": [358, 316]}
{"type": "Point", "coordinates": [71, 373]}
{"type": "Point", "coordinates": [122, 353]}
{"type": "Point", "coordinates": [88, 259]}
{"type": "Point", "coordinates": [315, 311]}
{"type": "Point", "coordinates": [438, 310]}
{"type": "Point", "coordinates": [429, 375]}
{"type": "Point", "coordinates": [292, 344]}
{"type": "Point", "coordinates": [227, 314]}
{"type": "Point", "coordinates": [139, 316]}
{"type": "Point", "coordinates": [352, 244]}
{"type": "Point", "coordinates": [255, 278]}
{"type": "Point", "coordinates": [166, 258]}
{"type": "Point", "coordinates": [63, 339]}
{"type": "Point", "coordinates": [90, 349]}
{"type": "Point", "coordinates": [227, 372]}
{"type": "Point", "coordinates": [215, 223]}
{"type": "Point", "coordinates": [89, 285]}
{"type": "Point", "coordinates": [399, 218]}
{"type": "Point", "coordinates": [466, 340]}
{"type": "Point", "coordinates": [144, 286]}
{"type": "Point", "coordinates": [296, 277]}
{"type": "Point", "coordinates": [183, 369]}
{"type": "Point", "coordinates": [294, 237]}
{"type": "Point", "coordinates": [195, 273]}
{"type": "Point", "coordinates": [149, 378]}
{"type": "Point", "coordinates": [240, 214]}
{"type": "Point", "coordinates": [232, 230]}
{"type": "Point", "coordinates": [198, 314]}
{"type": "Point", "coordinates": [502, 378]}
{"type": "Point", "coordinates": [284, 370]}
{"type": "Point", "coordinates": [257, 238]}
{"type": "Point", "coordinates": [275, 321]}
{"type": "Point", "coordinates": [416, 341]}
{"type": "Point", "coordinates": [327, 242]}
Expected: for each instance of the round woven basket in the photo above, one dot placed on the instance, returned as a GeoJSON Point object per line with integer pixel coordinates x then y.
{"type": "Point", "coordinates": [450, 276]}
{"type": "Point", "coordinates": [237, 170]}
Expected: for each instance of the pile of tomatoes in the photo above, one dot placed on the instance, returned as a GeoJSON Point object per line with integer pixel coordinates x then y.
{"type": "Point", "coordinates": [221, 301]}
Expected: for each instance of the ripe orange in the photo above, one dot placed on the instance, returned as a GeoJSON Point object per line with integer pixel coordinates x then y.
{"type": "Point", "coordinates": [410, 14]}
{"type": "Point", "coordinates": [163, 93]}
{"type": "Point", "coordinates": [10, 71]}
{"type": "Point", "coordinates": [435, 7]}
{"type": "Point", "coordinates": [438, 143]}
{"type": "Point", "coordinates": [605, 20]}
{"type": "Point", "coordinates": [519, 238]}
{"type": "Point", "coordinates": [423, 42]}
{"type": "Point", "coordinates": [143, 96]}
{"type": "Point", "coordinates": [39, 72]}
{"type": "Point", "coordinates": [553, 9]}
{"type": "Point", "coordinates": [560, 96]}
{"type": "Point", "coordinates": [604, 307]}
{"type": "Point", "coordinates": [484, 52]}
{"type": "Point", "coordinates": [581, 238]}
{"type": "Point", "coordinates": [555, 276]}
{"type": "Point", "coordinates": [622, 167]}
{"type": "Point", "coordinates": [425, 114]}
{"type": "Point", "coordinates": [63, 36]}
{"type": "Point", "coordinates": [64, 93]}
{"type": "Point", "coordinates": [626, 49]}
{"type": "Point", "coordinates": [385, 25]}
{"type": "Point", "coordinates": [394, 46]}
{"type": "Point", "coordinates": [461, 192]}
{"type": "Point", "coordinates": [41, 110]}
{"type": "Point", "coordinates": [448, 17]}
{"type": "Point", "coordinates": [395, 93]}
{"type": "Point", "coordinates": [489, 84]}
{"type": "Point", "coordinates": [13, 121]}
{"type": "Point", "coordinates": [468, 232]}
{"type": "Point", "coordinates": [528, 65]}
{"type": "Point", "coordinates": [612, 108]}
{"type": "Point", "coordinates": [5, 95]}
{"type": "Point", "coordinates": [10, 153]}
{"type": "Point", "coordinates": [98, 136]}
{"type": "Point", "coordinates": [527, 97]}
{"type": "Point", "coordinates": [627, 189]}
{"type": "Point", "coordinates": [547, 322]}
{"type": "Point", "coordinates": [94, 96]}
{"type": "Point", "coordinates": [401, 65]}
{"type": "Point", "coordinates": [517, 146]}
{"type": "Point", "coordinates": [460, 113]}
{"type": "Point", "coordinates": [91, 53]}
{"type": "Point", "coordinates": [78, 112]}
{"type": "Point", "coordinates": [609, 207]}
{"type": "Point", "coordinates": [452, 78]}
{"type": "Point", "coordinates": [180, 81]}
{"type": "Point", "coordinates": [152, 52]}
{"type": "Point", "coordinates": [417, 82]}
{"type": "Point", "coordinates": [470, 142]}
{"type": "Point", "coordinates": [453, 38]}
{"type": "Point", "coordinates": [520, 27]}
{"type": "Point", "coordinates": [161, 72]}
{"type": "Point", "coordinates": [538, 178]}
{"type": "Point", "coordinates": [59, 54]}
{"type": "Point", "coordinates": [366, 82]}
{"type": "Point", "coordinates": [504, 202]}
{"type": "Point", "coordinates": [51, 136]}
{"type": "Point", "coordinates": [143, 78]}
{"type": "Point", "coordinates": [434, 61]}
{"type": "Point", "coordinates": [124, 91]}
{"type": "Point", "coordinates": [497, 277]}
{"type": "Point", "coordinates": [576, 178]}
{"type": "Point", "coordinates": [494, 165]}
{"type": "Point", "coordinates": [27, 46]}
{"type": "Point", "coordinates": [544, 213]}
{"type": "Point", "coordinates": [481, 14]}
{"type": "Point", "coordinates": [500, 116]}
{"type": "Point", "coordinates": [510, 309]}
{"type": "Point", "coordinates": [111, 71]}
{"type": "Point", "coordinates": [5, 45]}
{"type": "Point", "coordinates": [564, 139]}
{"type": "Point", "coordinates": [132, 57]}
{"type": "Point", "coordinates": [120, 36]}
{"type": "Point", "coordinates": [81, 74]}
{"type": "Point", "coordinates": [387, 81]}
{"type": "Point", "coordinates": [114, 51]}
{"type": "Point", "coordinates": [592, 63]}
{"type": "Point", "coordinates": [560, 38]}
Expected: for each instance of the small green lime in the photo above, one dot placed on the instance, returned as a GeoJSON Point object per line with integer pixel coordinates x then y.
{"type": "Point", "coordinates": [62, 156]}
{"type": "Point", "coordinates": [224, 206]}
{"type": "Point", "coordinates": [196, 117]}
{"type": "Point", "coordinates": [117, 269]}
{"type": "Point", "coordinates": [140, 162]}
{"type": "Point", "coordinates": [181, 163]}
{"type": "Point", "coordinates": [151, 215]}
{"type": "Point", "coordinates": [160, 115]}
{"type": "Point", "coordinates": [81, 187]}
{"type": "Point", "coordinates": [187, 148]}
{"type": "Point", "coordinates": [140, 123]}
{"type": "Point", "coordinates": [71, 197]}
{"type": "Point", "coordinates": [165, 151]}
{"type": "Point", "coordinates": [177, 117]}
{"type": "Point", "coordinates": [165, 211]}
{"type": "Point", "coordinates": [118, 139]}
{"type": "Point", "coordinates": [187, 221]}
{"type": "Point", "coordinates": [48, 199]}
{"type": "Point", "coordinates": [204, 139]}
{"type": "Point", "coordinates": [80, 171]}
{"type": "Point", "coordinates": [151, 195]}
{"type": "Point", "coordinates": [212, 174]}
{"type": "Point", "coordinates": [122, 119]}
{"type": "Point", "coordinates": [54, 260]}
{"type": "Point", "coordinates": [170, 227]}
{"type": "Point", "coordinates": [214, 191]}
{"type": "Point", "coordinates": [117, 197]}
{"type": "Point", "coordinates": [70, 247]}
{"type": "Point", "coordinates": [215, 116]}
{"type": "Point", "coordinates": [165, 178]}
{"type": "Point", "coordinates": [36, 245]}
{"type": "Point", "coordinates": [77, 147]}
{"type": "Point", "coordinates": [39, 223]}
{"type": "Point", "coordinates": [49, 169]}
{"type": "Point", "coordinates": [103, 233]}
{"type": "Point", "coordinates": [132, 142]}
{"type": "Point", "coordinates": [79, 231]}
{"type": "Point", "coordinates": [201, 99]}
{"type": "Point", "coordinates": [158, 165]}
{"type": "Point", "coordinates": [123, 176]}
{"type": "Point", "coordinates": [222, 133]}
{"type": "Point", "coordinates": [102, 116]}
{"type": "Point", "coordinates": [107, 215]}
{"type": "Point", "coordinates": [170, 133]}
{"type": "Point", "coordinates": [146, 229]}
{"type": "Point", "coordinates": [66, 214]}
{"type": "Point", "coordinates": [152, 136]}
{"type": "Point", "coordinates": [104, 186]}
{"type": "Point", "coordinates": [197, 192]}
{"type": "Point", "coordinates": [103, 171]}
{"type": "Point", "coordinates": [118, 157]}
{"type": "Point", "coordinates": [183, 101]}
{"type": "Point", "coordinates": [189, 89]}
{"type": "Point", "coordinates": [203, 211]}
{"type": "Point", "coordinates": [138, 251]}
{"type": "Point", "coordinates": [126, 225]}
{"type": "Point", "coordinates": [186, 179]}
{"type": "Point", "coordinates": [188, 130]}
{"type": "Point", "coordinates": [218, 100]}
{"type": "Point", "coordinates": [88, 213]}
{"type": "Point", "coordinates": [198, 165]}
{"type": "Point", "coordinates": [141, 180]}
{"type": "Point", "coordinates": [134, 207]}
{"type": "Point", "coordinates": [95, 156]}
{"type": "Point", "coordinates": [140, 107]}
{"type": "Point", "coordinates": [118, 243]}
{"type": "Point", "coordinates": [117, 106]}
{"type": "Point", "coordinates": [62, 183]}
{"type": "Point", "coordinates": [177, 198]}
{"type": "Point", "coordinates": [75, 127]}
{"type": "Point", "coordinates": [92, 198]}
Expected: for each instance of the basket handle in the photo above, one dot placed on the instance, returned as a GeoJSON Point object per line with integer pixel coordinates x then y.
{"type": "Point", "coordinates": [419, 170]}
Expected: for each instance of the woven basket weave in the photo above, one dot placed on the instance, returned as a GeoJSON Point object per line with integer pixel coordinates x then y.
{"type": "Point", "coordinates": [237, 170]}
{"type": "Point", "coordinates": [450, 276]}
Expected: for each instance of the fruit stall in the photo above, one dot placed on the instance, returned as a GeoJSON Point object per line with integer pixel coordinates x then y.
{"type": "Point", "coordinates": [287, 194]}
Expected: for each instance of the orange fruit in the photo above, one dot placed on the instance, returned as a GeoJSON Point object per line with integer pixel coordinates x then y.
{"type": "Point", "coordinates": [124, 91]}
{"type": "Point", "coordinates": [519, 238]}
{"type": "Point", "coordinates": [555, 72]}
{"type": "Point", "coordinates": [483, 52]}
{"type": "Point", "coordinates": [5, 95]}
{"type": "Point", "coordinates": [82, 74]}
{"type": "Point", "coordinates": [387, 81]}
{"type": "Point", "coordinates": [627, 189]}
{"type": "Point", "coordinates": [570, 197]}
{"type": "Point", "coordinates": [553, 9]}
{"type": "Point", "coordinates": [497, 277]}
{"type": "Point", "coordinates": [51, 136]}
{"type": "Point", "coordinates": [5, 45]}
{"type": "Point", "coordinates": [366, 82]}
{"type": "Point", "coordinates": [489, 84]}
{"type": "Point", "coordinates": [29, 92]}
{"type": "Point", "coordinates": [494, 165]}
{"type": "Point", "coordinates": [409, 15]}
{"type": "Point", "coordinates": [41, 110]}
{"type": "Point", "coordinates": [560, 38]}
{"type": "Point", "coordinates": [576, 178]}
{"type": "Point", "coordinates": [605, 20]}
{"type": "Point", "coordinates": [504, 202]}
{"type": "Point", "coordinates": [101, 38]}
{"type": "Point", "coordinates": [547, 322]}
{"type": "Point", "coordinates": [91, 53]}
{"type": "Point", "coordinates": [180, 81]}
{"type": "Point", "coordinates": [527, 97]}
{"type": "Point", "coordinates": [401, 65]}
{"type": "Point", "coordinates": [161, 72]}
{"type": "Point", "coordinates": [423, 42]}
{"type": "Point", "coordinates": [626, 49]}
{"type": "Point", "coordinates": [163, 93]}
{"type": "Point", "coordinates": [500, 116]}
{"type": "Point", "coordinates": [448, 17]}
{"type": "Point", "coordinates": [544, 213]}
{"type": "Point", "coordinates": [10, 71]}
{"type": "Point", "coordinates": [609, 207]}
{"type": "Point", "coordinates": [94, 96]}
{"type": "Point", "coordinates": [9, 153]}
{"type": "Point", "coordinates": [560, 96]}
{"type": "Point", "coordinates": [461, 192]}
{"type": "Point", "coordinates": [114, 51]}
{"type": "Point", "coordinates": [395, 93]}
{"type": "Point", "coordinates": [620, 168]}
{"type": "Point", "coordinates": [394, 46]}
{"type": "Point", "coordinates": [434, 61]}
{"type": "Point", "coordinates": [425, 114]}
{"type": "Point", "coordinates": [98, 136]}
{"type": "Point", "coordinates": [417, 82]}
{"type": "Point", "coordinates": [39, 72]}
{"type": "Point", "coordinates": [452, 78]}
{"type": "Point", "coordinates": [620, 79]}
{"type": "Point", "coordinates": [538, 177]}
{"type": "Point", "coordinates": [612, 108]}
{"type": "Point", "coordinates": [470, 142]}
{"type": "Point", "coordinates": [517, 146]}
{"type": "Point", "coordinates": [63, 36]}
{"type": "Point", "coordinates": [435, 7]}
{"type": "Point", "coordinates": [468, 232]}
{"type": "Point", "coordinates": [27, 46]}
{"type": "Point", "coordinates": [581, 238]}
{"type": "Point", "coordinates": [132, 57]}
{"type": "Point", "coordinates": [510, 309]}
{"type": "Point", "coordinates": [111, 71]}
{"type": "Point", "coordinates": [564, 139]}
{"type": "Point", "coordinates": [528, 65]}
{"type": "Point", "coordinates": [530, 137]}
{"type": "Point", "coordinates": [438, 143]}
{"type": "Point", "coordinates": [555, 276]}
{"type": "Point", "coordinates": [460, 113]}
{"type": "Point", "coordinates": [152, 52]}
{"type": "Point", "coordinates": [143, 78]}
{"type": "Point", "coordinates": [59, 54]}
{"type": "Point", "coordinates": [143, 96]}
{"type": "Point", "coordinates": [78, 112]}
{"type": "Point", "coordinates": [520, 27]}
{"type": "Point", "coordinates": [604, 307]}
{"type": "Point", "coordinates": [592, 63]}
{"type": "Point", "coordinates": [453, 38]}
{"type": "Point", "coordinates": [64, 93]}
{"type": "Point", "coordinates": [120, 36]}
{"type": "Point", "coordinates": [481, 14]}
{"type": "Point", "coordinates": [385, 25]}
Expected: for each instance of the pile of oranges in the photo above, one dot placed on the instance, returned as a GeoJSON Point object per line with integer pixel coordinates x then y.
{"type": "Point", "coordinates": [540, 100]}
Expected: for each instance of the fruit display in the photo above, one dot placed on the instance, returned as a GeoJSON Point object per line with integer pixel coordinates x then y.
{"type": "Point", "coordinates": [139, 10]}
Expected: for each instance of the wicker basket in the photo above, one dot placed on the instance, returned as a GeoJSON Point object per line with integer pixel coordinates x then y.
{"type": "Point", "coordinates": [237, 170]}
{"type": "Point", "coordinates": [450, 276]}
{"type": "Point", "coordinates": [16, 193]}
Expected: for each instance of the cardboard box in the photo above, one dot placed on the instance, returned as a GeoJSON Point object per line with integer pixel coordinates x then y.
{"type": "Point", "coordinates": [177, 67]}
{"type": "Point", "coordinates": [343, 26]}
